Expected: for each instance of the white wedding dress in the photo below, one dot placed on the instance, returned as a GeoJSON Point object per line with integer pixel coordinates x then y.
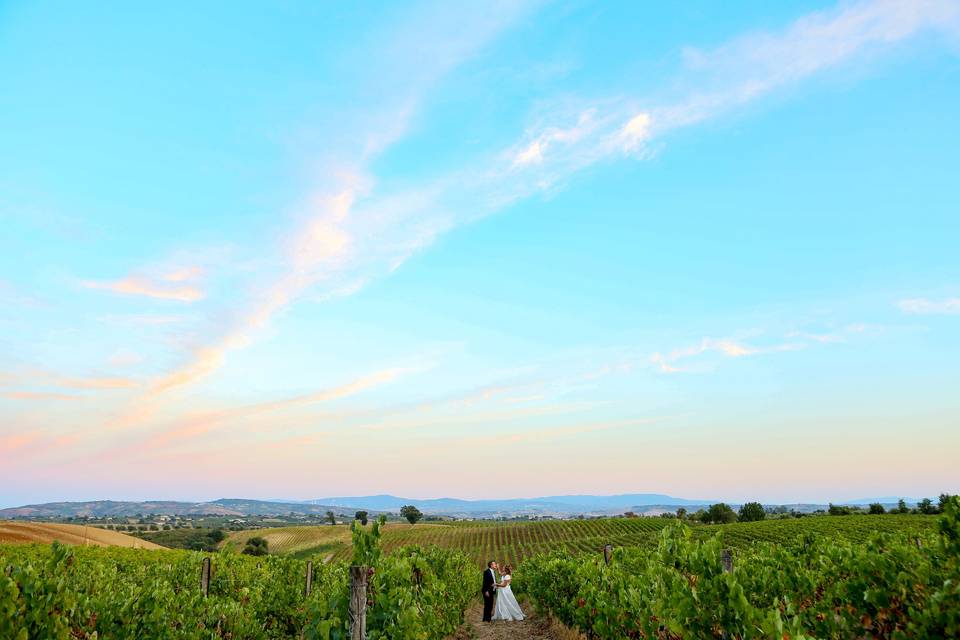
{"type": "Point", "coordinates": [507, 606]}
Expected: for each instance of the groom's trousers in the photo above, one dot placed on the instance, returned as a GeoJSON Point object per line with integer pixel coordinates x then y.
{"type": "Point", "coordinates": [488, 600]}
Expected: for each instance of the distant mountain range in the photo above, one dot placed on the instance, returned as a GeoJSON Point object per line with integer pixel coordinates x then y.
{"type": "Point", "coordinates": [567, 505]}
{"type": "Point", "coordinates": [560, 505]}
{"type": "Point", "coordinates": [885, 500]}
{"type": "Point", "coordinates": [221, 507]}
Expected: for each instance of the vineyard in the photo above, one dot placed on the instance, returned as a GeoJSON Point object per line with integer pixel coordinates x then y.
{"type": "Point", "coordinates": [296, 541]}
{"type": "Point", "coordinates": [24, 532]}
{"type": "Point", "coordinates": [893, 585]}
{"type": "Point", "coordinates": [61, 593]}
{"type": "Point", "coordinates": [824, 577]}
{"type": "Point", "coordinates": [515, 541]}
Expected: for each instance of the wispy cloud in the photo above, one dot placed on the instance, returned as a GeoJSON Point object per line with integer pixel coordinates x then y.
{"type": "Point", "coordinates": [94, 383]}
{"type": "Point", "coordinates": [532, 151]}
{"type": "Point", "coordinates": [741, 71]}
{"type": "Point", "coordinates": [334, 246]}
{"type": "Point", "coordinates": [925, 306]}
{"type": "Point", "coordinates": [350, 231]}
{"type": "Point", "coordinates": [726, 347]}
{"type": "Point", "coordinates": [13, 296]}
{"type": "Point", "coordinates": [37, 395]}
{"type": "Point", "coordinates": [43, 378]}
{"type": "Point", "coordinates": [124, 358]}
{"type": "Point", "coordinates": [177, 284]}
{"type": "Point", "coordinates": [192, 426]}
{"type": "Point", "coordinates": [11, 443]}
{"type": "Point", "coordinates": [142, 319]}
{"type": "Point", "coordinates": [822, 338]}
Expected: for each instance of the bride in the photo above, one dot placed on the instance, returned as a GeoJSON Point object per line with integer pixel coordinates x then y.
{"type": "Point", "coordinates": [507, 606]}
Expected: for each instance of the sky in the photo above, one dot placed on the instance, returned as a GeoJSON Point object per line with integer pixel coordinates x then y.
{"type": "Point", "coordinates": [479, 249]}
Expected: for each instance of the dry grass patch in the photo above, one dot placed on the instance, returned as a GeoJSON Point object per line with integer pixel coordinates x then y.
{"type": "Point", "coordinates": [75, 534]}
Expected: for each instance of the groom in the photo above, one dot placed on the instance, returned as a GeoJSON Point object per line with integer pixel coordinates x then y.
{"type": "Point", "coordinates": [489, 590]}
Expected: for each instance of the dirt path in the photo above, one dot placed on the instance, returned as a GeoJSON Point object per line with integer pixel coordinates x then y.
{"type": "Point", "coordinates": [533, 628]}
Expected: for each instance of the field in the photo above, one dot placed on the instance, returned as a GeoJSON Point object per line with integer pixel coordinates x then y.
{"type": "Point", "coordinates": [57, 592]}
{"type": "Point", "coordinates": [512, 542]}
{"type": "Point", "coordinates": [838, 580]}
{"type": "Point", "coordinates": [75, 534]}
{"type": "Point", "coordinates": [827, 576]}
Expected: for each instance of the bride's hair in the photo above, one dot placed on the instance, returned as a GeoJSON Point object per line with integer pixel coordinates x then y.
{"type": "Point", "coordinates": [507, 569]}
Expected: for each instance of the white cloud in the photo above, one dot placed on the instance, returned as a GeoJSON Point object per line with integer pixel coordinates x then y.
{"type": "Point", "coordinates": [530, 155]}
{"type": "Point", "coordinates": [924, 306]}
{"type": "Point", "coordinates": [744, 70]}
{"type": "Point", "coordinates": [636, 131]}
{"type": "Point", "coordinates": [354, 231]}
{"type": "Point", "coordinates": [533, 152]}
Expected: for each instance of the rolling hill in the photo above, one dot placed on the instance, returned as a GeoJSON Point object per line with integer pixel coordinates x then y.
{"type": "Point", "coordinates": [221, 507]}
{"type": "Point", "coordinates": [42, 532]}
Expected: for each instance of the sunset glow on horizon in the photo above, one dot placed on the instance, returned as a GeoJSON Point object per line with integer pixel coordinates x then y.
{"type": "Point", "coordinates": [479, 250]}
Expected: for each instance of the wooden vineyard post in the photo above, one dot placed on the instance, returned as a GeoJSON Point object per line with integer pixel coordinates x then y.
{"type": "Point", "coordinates": [607, 552]}
{"type": "Point", "coordinates": [205, 576]}
{"type": "Point", "coordinates": [726, 558]}
{"type": "Point", "coordinates": [309, 576]}
{"type": "Point", "coordinates": [358, 603]}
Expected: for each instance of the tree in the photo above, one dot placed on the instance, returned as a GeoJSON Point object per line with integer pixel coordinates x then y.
{"type": "Point", "coordinates": [256, 546]}
{"type": "Point", "coordinates": [217, 535]}
{"type": "Point", "coordinates": [681, 513]}
{"type": "Point", "coordinates": [411, 513]}
{"type": "Point", "coordinates": [332, 517]}
{"type": "Point", "coordinates": [839, 510]}
{"type": "Point", "coordinates": [942, 503]}
{"type": "Point", "coordinates": [927, 507]}
{"type": "Point", "coordinates": [720, 513]}
{"type": "Point", "coordinates": [876, 509]}
{"type": "Point", "coordinates": [751, 512]}
{"type": "Point", "coordinates": [362, 517]}
{"type": "Point", "coordinates": [902, 506]}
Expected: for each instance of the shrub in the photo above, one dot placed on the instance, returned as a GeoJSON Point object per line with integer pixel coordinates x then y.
{"type": "Point", "coordinates": [256, 546]}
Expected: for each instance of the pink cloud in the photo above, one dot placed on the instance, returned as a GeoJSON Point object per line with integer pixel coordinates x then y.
{"type": "Point", "coordinates": [174, 283]}
{"type": "Point", "coordinates": [38, 395]}
{"type": "Point", "coordinates": [143, 286]}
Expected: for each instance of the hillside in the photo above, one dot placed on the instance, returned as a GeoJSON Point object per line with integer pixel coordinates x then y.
{"type": "Point", "coordinates": [104, 508]}
{"type": "Point", "coordinates": [545, 505]}
{"type": "Point", "coordinates": [556, 506]}
{"type": "Point", "coordinates": [550, 505]}
{"type": "Point", "coordinates": [42, 532]}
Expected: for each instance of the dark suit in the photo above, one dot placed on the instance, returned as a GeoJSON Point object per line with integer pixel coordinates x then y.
{"type": "Point", "coordinates": [489, 594]}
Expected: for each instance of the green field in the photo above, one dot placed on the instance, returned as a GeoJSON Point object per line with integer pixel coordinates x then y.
{"type": "Point", "coordinates": [512, 542]}
{"type": "Point", "coordinates": [878, 577]}
{"type": "Point", "coordinates": [56, 592]}
{"type": "Point", "coordinates": [825, 576]}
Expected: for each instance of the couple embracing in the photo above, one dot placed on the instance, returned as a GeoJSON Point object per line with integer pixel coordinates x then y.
{"type": "Point", "coordinates": [499, 603]}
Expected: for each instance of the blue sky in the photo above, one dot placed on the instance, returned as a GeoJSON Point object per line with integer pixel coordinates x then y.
{"type": "Point", "coordinates": [482, 250]}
